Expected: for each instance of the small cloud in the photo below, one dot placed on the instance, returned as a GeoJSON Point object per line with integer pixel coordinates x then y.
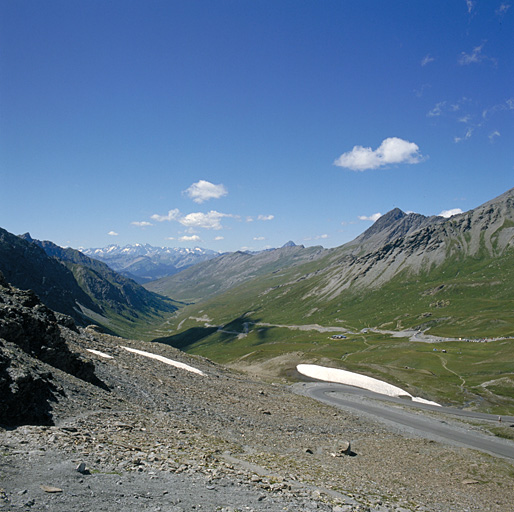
{"type": "Point", "coordinates": [172, 215]}
{"type": "Point", "coordinates": [427, 60]}
{"type": "Point", "coordinates": [469, 133]}
{"type": "Point", "coordinates": [470, 4]}
{"type": "Point", "coordinates": [170, 238]}
{"type": "Point", "coordinates": [218, 238]}
{"type": "Point", "coordinates": [141, 224]}
{"type": "Point", "coordinates": [493, 135]}
{"type": "Point", "coordinates": [474, 57]}
{"type": "Point", "coordinates": [502, 10]}
{"type": "Point", "coordinates": [450, 213]}
{"type": "Point", "coordinates": [113, 233]}
{"type": "Point", "coordinates": [419, 92]}
{"type": "Point", "coordinates": [464, 119]}
{"type": "Point", "coordinates": [317, 237]}
{"type": "Point", "coordinates": [249, 219]}
{"type": "Point", "coordinates": [259, 238]}
{"type": "Point", "coordinates": [372, 218]}
{"type": "Point", "coordinates": [210, 220]}
{"type": "Point", "coordinates": [265, 217]}
{"type": "Point", "coordinates": [204, 190]}
{"type": "Point", "coordinates": [437, 110]}
{"type": "Point", "coordinates": [192, 238]}
{"type": "Point", "coordinates": [393, 150]}
{"type": "Point", "coordinates": [501, 107]}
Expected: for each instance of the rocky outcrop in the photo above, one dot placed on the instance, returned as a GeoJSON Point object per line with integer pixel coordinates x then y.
{"type": "Point", "coordinates": [398, 242]}
{"type": "Point", "coordinates": [32, 346]}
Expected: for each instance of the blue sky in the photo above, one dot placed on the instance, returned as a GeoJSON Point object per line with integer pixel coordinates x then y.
{"type": "Point", "coordinates": [244, 124]}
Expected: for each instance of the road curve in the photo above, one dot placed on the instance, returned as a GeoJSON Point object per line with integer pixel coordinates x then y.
{"type": "Point", "coordinates": [343, 397]}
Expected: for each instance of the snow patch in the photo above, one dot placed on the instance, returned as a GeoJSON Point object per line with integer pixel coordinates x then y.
{"type": "Point", "coordinates": [354, 379]}
{"type": "Point", "coordinates": [163, 359]}
{"type": "Point", "coordinates": [98, 353]}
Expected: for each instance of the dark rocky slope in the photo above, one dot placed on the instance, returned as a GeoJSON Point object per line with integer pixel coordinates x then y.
{"type": "Point", "coordinates": [71, 283]}
{"type": "Point", "coordinates": [32, 345]}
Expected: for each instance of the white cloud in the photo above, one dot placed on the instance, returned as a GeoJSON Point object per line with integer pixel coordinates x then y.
{"type": "Point", "coordinates": [192, 238]}
{"type": "Point", "coordinates": [470, 4]}
{"type": "Point", "coordinates": [210, 220]}
{"type": "Point", "coordinates": [493, 135]}
{"type": "Point", "coordinates": [204, 190]}
{"type": "Point", "coordinates": [437, 110]}
{"type": "Point", "coordinates": [219, 238]}
{"type": "Point", "coordinates": [393, 150]}
{"type": "Point", "coordinates": [373, 217]}
{"type": "Point", "coordinates": [506, 105]}
{"type": "Point", "coordinates": [112, 233]}
{"type": "Point", "coordinates": [469, 133]}
{"type": "Point", "coordinates": [265, 217]}
{"type": "Point", "coordinates": [259, 238]}
{"type": "Point", "coordinates": [475, 56]}
{"type": "Point", "coordinates": [450, 213]}
{"type": "Point", "coordinates": [427, 60]}
{"type": "Point", "coordinates": [249, 219]}
{"type": "Point", "coordinates": [142, 223]}
{"type": "Point", "coordinates": [172, 215]}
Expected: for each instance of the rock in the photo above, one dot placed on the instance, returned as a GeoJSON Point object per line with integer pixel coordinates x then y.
{"type": "Point", "coordinates": [81, 468]}
{"type": "Point", "coordinates": [469, 481]}
{"type": "Point", "coordinates": [50, 489]}
{"type": "Point", "coordinates": [344, 449]}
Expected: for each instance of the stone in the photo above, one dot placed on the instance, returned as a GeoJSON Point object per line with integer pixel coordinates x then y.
{"type": "Point", "coordinates": [50, 489]}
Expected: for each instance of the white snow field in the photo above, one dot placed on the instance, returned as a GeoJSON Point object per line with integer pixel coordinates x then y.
{"type": "Point", "coordinates": [98, 353]}
{"type": "Point", "coordinates": [354, 379]}
{"type": "Point", "coordinates": [163, 359]}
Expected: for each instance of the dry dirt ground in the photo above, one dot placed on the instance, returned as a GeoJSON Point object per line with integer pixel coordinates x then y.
{"type": "Point", "coordinates": [160, 438]}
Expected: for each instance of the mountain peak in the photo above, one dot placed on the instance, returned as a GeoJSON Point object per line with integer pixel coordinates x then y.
{"type": "Point", "coordinates": [289, 244]}
{"type": "Point", "coordinates": [392, 225]}
{"type": "Point", "coordinates": [27, 237]}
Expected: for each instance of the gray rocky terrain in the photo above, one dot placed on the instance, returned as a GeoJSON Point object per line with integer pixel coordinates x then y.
{"type": "Point", "coordinates": [133, 433]}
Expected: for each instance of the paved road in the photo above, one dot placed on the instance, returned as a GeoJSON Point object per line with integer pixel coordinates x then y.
{"type": "Point", "coordinates": [381, 407]}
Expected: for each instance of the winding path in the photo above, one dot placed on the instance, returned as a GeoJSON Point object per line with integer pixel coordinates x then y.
{"type": "Point", "coordinates": [381, 407]}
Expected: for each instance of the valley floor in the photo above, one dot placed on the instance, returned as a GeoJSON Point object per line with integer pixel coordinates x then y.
{"type": "Point", "coordinates": [167, 439]}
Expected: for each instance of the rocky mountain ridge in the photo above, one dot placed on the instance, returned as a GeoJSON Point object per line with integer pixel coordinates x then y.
{"type": "Point", "coordinates": [144, 262]}
{"type": "Point", "coordinates": [402, 246]}
{"type": "Point", "coordinates": [220, 274]}
{"type": "Point", "coordinates": [74, 284]}
{"type": "Point", "coordinates": [467, 260]}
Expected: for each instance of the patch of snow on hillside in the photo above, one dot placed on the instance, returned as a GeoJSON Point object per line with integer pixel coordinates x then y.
{"type": "Point", "coordinates": [98, 353]}
{"type": "Point", "coordinates": [354, 379]}
{"type": "Point", "coordinates": [163, 359]}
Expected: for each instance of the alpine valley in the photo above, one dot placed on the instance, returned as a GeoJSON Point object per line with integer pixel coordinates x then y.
{"type": "Point", "coordinates": [183, 394]}
{"type": "Point", "coordinates": [396, 292]}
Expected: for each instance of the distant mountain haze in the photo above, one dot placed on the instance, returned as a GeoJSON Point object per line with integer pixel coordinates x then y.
{"type": "Point", "coordinates": [144, 263]}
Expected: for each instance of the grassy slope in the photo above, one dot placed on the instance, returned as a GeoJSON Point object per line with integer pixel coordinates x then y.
{"type": "Point", "coordinates": [469, 298]}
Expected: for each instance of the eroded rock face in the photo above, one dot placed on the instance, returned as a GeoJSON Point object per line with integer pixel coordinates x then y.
{"type": "Point", "coordinates": [32, 345]}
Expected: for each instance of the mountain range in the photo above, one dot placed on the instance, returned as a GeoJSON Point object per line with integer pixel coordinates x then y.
{"type": "Point", "coordinates": [73, 284]}
{"type": "Point", "coordinates": [452, 275]}
{"type": "Point", "coordinates": [144, 262]}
